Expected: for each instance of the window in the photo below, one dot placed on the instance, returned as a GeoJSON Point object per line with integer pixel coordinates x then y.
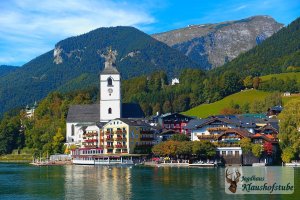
{"type": "Point", "coordinates": [72, 130]}
{"type": "Point", "coordinates": [109, 82]}
{"type": "Point", "coordinates": [237, 153]}
{"type": "Point", "coordinates": [230, 153]}
{"type": "Point", "coordinates": [109, 111]}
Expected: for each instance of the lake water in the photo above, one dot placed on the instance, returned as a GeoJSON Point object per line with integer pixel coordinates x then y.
{"type": "Point", "coordinates": [22, 181]}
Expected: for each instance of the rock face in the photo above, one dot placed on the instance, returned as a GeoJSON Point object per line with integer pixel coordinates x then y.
{"type": "Point", "coordinates": [212, 45]}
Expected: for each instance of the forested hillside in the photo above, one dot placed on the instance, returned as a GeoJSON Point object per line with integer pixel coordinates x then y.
{"type": "Point", "coordinates": [45, 133]}
{"type": "Point", "coordinates": [5, 69]}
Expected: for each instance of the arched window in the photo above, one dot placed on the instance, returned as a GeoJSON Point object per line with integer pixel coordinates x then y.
{"type": "Point", "coordinates": [109, 81]}
{"type": "Point", "coordinates": [109, 111]}
{"type": "Point", "coordinates": [72, 130]}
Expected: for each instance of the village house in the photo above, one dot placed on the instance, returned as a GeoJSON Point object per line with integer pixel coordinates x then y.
{"type": "Point", "coordinates": [226, 132]}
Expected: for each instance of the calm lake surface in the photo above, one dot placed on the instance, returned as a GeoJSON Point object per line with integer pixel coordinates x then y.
{"type": "Point", "coordinates": [22, 181]}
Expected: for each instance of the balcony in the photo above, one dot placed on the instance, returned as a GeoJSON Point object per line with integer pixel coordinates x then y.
{"type": "Point", "coordinates": [217, 129]}
{"type": "Point", "coordinates": [90, 146]}
{"type": "Point", "coordinates": [108, 133]}
{"type": "Point", "coordinates": [120, 132]}
{"type": "Point", "coordinates": [121, 139]}
{"type": "Point", "coordinates": [110, 139]}
{"type": "Point", "coordinates": [109, 146]}
{"type": "Point", "coordinates": [208, 137]}
{"type": "Point", "coordinates": [223, 144]}
{"type": "Point", "coordinates": [91, 140]}
{"type": "Point", "coordinates": [91, 134]}
{"type": "Point", "coordinates": [120, 146]}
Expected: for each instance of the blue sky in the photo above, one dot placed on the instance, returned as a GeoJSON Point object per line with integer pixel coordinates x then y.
{"type": "Point", "coordinates": [29, 28]}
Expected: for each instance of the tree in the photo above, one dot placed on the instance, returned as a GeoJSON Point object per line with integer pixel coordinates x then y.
{"type": "Point", "coordinates": [289, 126]}
{"type": "Point", "coordinates": [203, 148]}
{"type": "Point", "coordinates": [268, 148]}
{"type": "Point", "coordinates": [246, 145]}
{"type": "Point", "coordinates": [256, 150]}
{"type": "Point", "coordinates": [179, 137]}
{"type": "Point", "coordinates": [287, 154]}
{"type": "Point", "coordinates": [10, 135]}
{"type": "Point", "coordinates": [248, 82]}
{"type": "Point", "coordinates": [230, 82]}
{"type": "Point", "coordinates": [185, 148]}
{"type": "Point", "coordinates": [58, 141]}
{"type": "Point", "coordinates": [256, 82]}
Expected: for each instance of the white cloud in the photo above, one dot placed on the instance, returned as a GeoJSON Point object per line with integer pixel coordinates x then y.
{"type": "Point", "coordinates": [32, 24]}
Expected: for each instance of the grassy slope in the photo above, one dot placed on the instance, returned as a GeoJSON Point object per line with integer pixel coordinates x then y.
{"type": "Point", "coordinates": [242, 97]}
{"type": "Point", "coordinates": [282, 76]}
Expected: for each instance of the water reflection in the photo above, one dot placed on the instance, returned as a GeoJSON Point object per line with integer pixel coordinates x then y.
{"type": "Point", "coordinates": [97, 182]}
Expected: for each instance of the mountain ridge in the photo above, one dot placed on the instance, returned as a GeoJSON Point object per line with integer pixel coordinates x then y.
{"type": "Point", "coordinates": [211, 45]}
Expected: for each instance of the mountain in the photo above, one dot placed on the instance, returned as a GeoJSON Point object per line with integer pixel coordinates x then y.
{"type": "Point", "coordinates": [6, 69]}
{"type": "Point", "coordinates": [279, 53]}
{"type": "Point", "coordinates": [212, 45]}
{"type": "Point", "coordinates": [75, 63]}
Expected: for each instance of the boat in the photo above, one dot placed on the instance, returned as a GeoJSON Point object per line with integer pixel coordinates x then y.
{"type": "Point", "coordinates": [293, 164]}
{"type": "Point", "coordinates": [203, 164]}
{"type": "Point", "coordinates": [102, 160]}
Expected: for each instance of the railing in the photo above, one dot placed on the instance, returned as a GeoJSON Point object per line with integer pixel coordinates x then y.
{"type": "Point", "coordinates": [90, 146]}
{"type": "Point", "coordinates": [109, 139]}
{"type": "Point", "coordinates": [109, 146]}
{"type": "Point", "coordinates": [220, 144]}
{"type": "Point", "coordinates": [119, 139]}
{"type": "Point", "coordinates": [120, 132]}
{"type": "Point", "coordinates": [207, 136]}
{"type": "Point", "coordinates": [108, 133]}
{"type": "Point", "coordinates": [91, 134]}
{"type": "Point", "coordinates": [91, 140]}
{"type": "Point", "coordinates": [218, 129]}
{"type": "Point", "coordinates": [119, 146]}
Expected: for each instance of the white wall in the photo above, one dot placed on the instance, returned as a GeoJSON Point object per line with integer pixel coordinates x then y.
{"type": "Point", "coordinates": [77, 137]}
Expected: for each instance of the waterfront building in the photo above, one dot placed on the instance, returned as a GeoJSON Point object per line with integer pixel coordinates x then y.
{"type": "Point", "coordinates": [175, 122]}
{"type": "Point", "coordinates": [124, 135]}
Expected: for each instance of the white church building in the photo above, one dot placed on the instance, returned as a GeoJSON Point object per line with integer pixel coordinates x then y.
{"type": "Point", "coordinates": [91, 118]}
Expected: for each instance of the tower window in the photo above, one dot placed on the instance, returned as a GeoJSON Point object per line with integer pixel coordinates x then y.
{"type": "Point", "coordinates": [72, 130]}
{"type": "Point", "coordinates": [109, 82]}
{"type": "Point", "coordinates": [109, 111]}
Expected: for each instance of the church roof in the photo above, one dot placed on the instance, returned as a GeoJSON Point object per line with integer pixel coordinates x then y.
{"type": "Point", "coordinates": [110, 70]}
{"type": "Point", "coordinates": [84, 113]}
{"type": "Point", "coordinates": [91, 113]}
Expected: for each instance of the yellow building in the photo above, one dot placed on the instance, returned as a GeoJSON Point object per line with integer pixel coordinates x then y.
{"type": "Point", "coordinates": [121, 136]}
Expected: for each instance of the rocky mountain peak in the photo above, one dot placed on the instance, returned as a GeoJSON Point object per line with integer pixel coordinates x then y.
{"type": "Point", "coordinates": [212, 45]}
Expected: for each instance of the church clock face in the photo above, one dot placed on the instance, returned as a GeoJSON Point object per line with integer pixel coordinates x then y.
{"type": "Point", "coordinates": [110, 90]}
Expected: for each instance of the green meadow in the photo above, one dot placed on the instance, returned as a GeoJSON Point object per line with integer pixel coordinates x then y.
{"type": "Point", "coordinates": [205, 110]}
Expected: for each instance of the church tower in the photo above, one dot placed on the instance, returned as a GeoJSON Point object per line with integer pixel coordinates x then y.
{"type": "Point", "coordinates": [110, 89]}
